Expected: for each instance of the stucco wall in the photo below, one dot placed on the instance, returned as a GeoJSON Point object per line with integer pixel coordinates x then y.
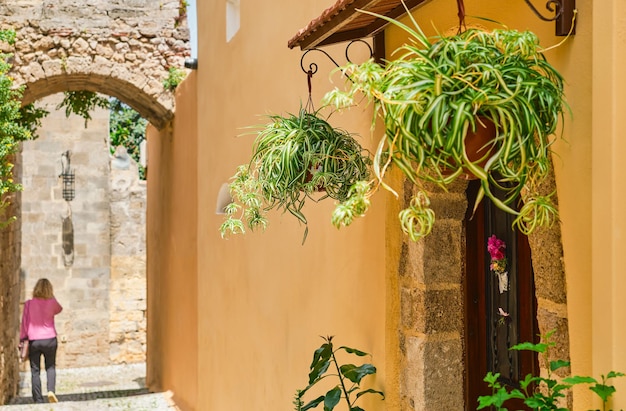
{"type": "Point", "coordinates": [253, 306]}
{"type": "Point", "coordinates": [173, 315]}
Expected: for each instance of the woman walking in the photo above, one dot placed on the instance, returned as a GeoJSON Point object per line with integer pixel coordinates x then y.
{"type": "Point", "coordinates": [38, 328]}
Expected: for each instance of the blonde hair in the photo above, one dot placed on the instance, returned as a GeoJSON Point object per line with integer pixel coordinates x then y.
{"type": "Point", "coordinates": [43, 289]}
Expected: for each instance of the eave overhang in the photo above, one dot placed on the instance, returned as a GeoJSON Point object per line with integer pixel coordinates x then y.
{"type": "Point", "coordinates": [343, 22]}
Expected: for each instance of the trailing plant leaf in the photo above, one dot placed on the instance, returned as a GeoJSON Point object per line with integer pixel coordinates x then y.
{"type": "Point", "coordinates": [440, 89]}
{"type": "Point", "coordinates": [296, 158]}
{"type": "Point", "coordinates": [418, 219]}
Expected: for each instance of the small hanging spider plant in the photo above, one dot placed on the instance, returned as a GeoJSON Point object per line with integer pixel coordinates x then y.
{"type": "Point", "coordinates": [294, 157]}
{"type": "Point", "coordinates": [437, 91]}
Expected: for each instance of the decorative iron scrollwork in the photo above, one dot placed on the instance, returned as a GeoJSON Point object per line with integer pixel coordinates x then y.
{"type": "Point", "coordinates": [313, 66]}
{"type": "Point", "coordinates": [554, 6]}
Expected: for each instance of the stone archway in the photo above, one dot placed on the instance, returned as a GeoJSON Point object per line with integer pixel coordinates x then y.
{"type": "Point", "coordinates": [122, 48]}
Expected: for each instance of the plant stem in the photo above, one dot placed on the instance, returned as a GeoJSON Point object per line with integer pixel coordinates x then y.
{"type": "Point", "coordinates": [341, 378]}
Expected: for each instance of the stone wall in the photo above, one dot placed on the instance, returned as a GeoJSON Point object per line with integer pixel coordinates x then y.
{"type": "Point", "coordinates": [9, 297]}
{"type": "Point", "coordinates": [80, 280]}
{"type": "Point", "coordinates": [128, 261]}
{"type": "Point", "coordinates": [122, 48]}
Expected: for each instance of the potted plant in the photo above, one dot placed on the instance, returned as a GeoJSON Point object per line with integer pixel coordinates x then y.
{"type": "Point", "coordinates": [438, 98]}
{"type": "Point", "coordinates": [294, 158]}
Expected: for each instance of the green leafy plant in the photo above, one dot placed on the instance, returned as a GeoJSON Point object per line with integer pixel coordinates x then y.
{"type": "Point", "coordinates": [293, 158]}
{"type": "Point", "coordinates": [175, 76]}
{"type": "Point", "coordinates": [349, 376]}
{"type": "Point", "coordinates": [82, 103]}
{"type": "Point", "coordinates": [543, 393]}
{"type": "Point", "coordinates": [127, 128]}
{"type": "Point", "coordinates": [15, 128]}
{"type": "Point", "coordinates": [440, 94]}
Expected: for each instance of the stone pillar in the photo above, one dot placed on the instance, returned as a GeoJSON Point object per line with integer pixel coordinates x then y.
{"type": "Point", "coordinates": [431, 305]}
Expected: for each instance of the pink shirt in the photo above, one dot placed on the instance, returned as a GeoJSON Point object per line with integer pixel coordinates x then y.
{"type": "Point", "coordinates": [38, 319]}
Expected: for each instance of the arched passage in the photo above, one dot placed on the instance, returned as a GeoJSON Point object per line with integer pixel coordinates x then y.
{"type": "Point", "coordinates": [131, 88]}
{"type": "Point", "coordinates": [123, 51]}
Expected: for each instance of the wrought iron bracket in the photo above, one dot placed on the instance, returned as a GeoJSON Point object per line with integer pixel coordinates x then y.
{"type": "Point", "coordinates": [312, 69]}
{"type": "Point", "coordinates": [563, 14]}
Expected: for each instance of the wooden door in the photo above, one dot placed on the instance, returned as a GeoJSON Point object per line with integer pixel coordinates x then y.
{"type": "Point", "coordinates": [489, 333]}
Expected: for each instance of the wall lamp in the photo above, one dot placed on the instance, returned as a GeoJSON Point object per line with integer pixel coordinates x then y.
{"type": "Point", "coordinates": [67, 174]}
{"type": "Point", "coordinates": [563, 14]}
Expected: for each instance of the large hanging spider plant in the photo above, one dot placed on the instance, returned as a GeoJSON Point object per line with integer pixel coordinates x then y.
{"type": "Point", "coordinates": [293, 158]}
{"type": "Point", "coordinates": [438, 90]}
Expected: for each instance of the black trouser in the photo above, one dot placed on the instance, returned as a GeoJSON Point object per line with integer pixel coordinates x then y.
{"type": "Point", "coordinates": [48, 348]}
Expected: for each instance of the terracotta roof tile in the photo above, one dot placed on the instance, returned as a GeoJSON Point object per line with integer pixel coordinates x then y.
{"type": "Point", "coordinates": [343, 22]}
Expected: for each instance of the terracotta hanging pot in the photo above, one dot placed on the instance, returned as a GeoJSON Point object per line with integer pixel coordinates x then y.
{"type": "Point", "coordinates": [478, 145]}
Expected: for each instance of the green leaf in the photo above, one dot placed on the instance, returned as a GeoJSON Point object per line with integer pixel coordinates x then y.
{"type": "Point", "coordinates": [579, 380]}
{"type": "Point", "coordinates": [353, 351]}
{"type": "Point", "coordinates": [555, 365]}
{"type": "Point", "coordinates": [370, 391]}
{"type": "Point", "coordinates": [528, 346]}
{"type": "Point", "coordinates": [313, 404]}
{"type": "Point", "coordinates": [603, 391]}
{"type": "Point", "coordinates": [355, 374]}
{"type": "Point", "coordinates": [614, 374]}
{"type": "Point", "coordinates": [332, 399]}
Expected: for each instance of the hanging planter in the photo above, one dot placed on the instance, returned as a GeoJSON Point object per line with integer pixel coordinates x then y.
{"type": "Point", "coordinates": [439, 95]}
{"type": "Point", "coordinates": [293, 158]}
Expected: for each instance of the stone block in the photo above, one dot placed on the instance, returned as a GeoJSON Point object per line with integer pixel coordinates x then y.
{"type": "Point", "coordinates": [432, 311]}
{"type": "Point", "coordinates": [443, 255]}
{"type": "Point", "coordinates": [433, 374]}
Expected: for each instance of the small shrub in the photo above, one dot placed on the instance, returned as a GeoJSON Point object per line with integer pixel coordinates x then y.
{"type": "Point", "coordinates": [175, 76]}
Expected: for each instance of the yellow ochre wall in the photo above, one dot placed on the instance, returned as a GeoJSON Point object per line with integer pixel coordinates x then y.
{"type": "Point", "coordinates": [172, 218]}
{"type": "Point", "coordinates": [263, 299]}
{"type": "Point", "coordinates": [233, 323]}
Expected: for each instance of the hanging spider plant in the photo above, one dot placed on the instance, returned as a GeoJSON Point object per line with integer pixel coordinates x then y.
{"type": "Point", "coordinates": [293, 158]}
{"type": "Point", "coordinates": [442, 90]}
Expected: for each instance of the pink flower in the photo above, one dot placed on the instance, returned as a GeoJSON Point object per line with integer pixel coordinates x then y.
{"type": "Point", "coordinates": [496, 248]}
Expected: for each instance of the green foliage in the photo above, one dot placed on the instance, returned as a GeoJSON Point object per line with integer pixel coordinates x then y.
{"type": "Point", "coordinates": [543, 393]}
{"type": "Point", "coordinates": [30, 117]}
{"type": "Point", "coordinates": [175, 76]}
{"type": "Point", "coordinates": [349, 376]}
{"type": "Point", "coordinates": [14, 128]}
{"type": "Point", "coordinates": [294, 157]}
{"type": "Point", "coordinates": [182, 13]}
{"type": "Point", "coordinates": [438, 91]}
{"type": "Point", "coordinates": [127, 128]}
{"type": "Point", "coordinates": [82, 103]}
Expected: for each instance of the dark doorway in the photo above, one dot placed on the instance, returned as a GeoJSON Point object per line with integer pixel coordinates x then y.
{"type": "Point", "coordinates": [496, 319]}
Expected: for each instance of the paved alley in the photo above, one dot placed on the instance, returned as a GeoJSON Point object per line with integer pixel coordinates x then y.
{"type": "Point", "coordinates": [110, 388]}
